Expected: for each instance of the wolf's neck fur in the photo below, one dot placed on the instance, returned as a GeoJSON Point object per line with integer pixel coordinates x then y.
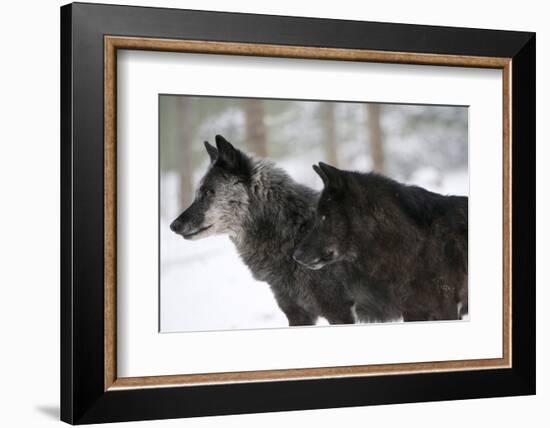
{"type": "Point", "coordinates": [278, 212]}
{"type": "Point", "coordinates": [276, 195]}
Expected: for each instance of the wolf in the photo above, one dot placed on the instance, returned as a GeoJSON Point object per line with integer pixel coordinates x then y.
{"type": "Point", "coordinates": [266, 214]}
{"type": "Point", "coordinates": [409, 245]}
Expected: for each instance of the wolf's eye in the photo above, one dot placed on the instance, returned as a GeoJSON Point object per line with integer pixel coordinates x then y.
{"type": "Point", "coordinates": [207, 192]}
{"type": "Point", "coordinates": [323, 217]}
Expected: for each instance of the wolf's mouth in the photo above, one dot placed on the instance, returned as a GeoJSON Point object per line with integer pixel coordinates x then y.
{"type": "Point", "coordinates": [315, 264]}
{"type": "Point", "coordinates": [196, 232]}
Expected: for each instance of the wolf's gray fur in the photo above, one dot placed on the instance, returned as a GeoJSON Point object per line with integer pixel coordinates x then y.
{"type": "Point", "coordinates": [266, 214]}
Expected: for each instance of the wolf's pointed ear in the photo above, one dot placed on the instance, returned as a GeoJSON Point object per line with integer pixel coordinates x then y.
{"type": "Point", "coordinates": [227, 154]}
{"type": "Point", "coordinates": [321, 174]}
{"type": "Point", "coordinates": [332, 175]}
{"type": "Point", "coordinates": [230, 158]}
{"type": "Point", "coordinates": [222, 144]}
{"type": "Point", "coordinates": [212, 151]}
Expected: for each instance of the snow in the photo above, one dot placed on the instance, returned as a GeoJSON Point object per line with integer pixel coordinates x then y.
{"type": "Point", "coordinates": [204, 284]}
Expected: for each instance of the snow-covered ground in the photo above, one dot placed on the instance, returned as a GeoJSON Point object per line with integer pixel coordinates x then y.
{"type": "Point", "coordinates": [205, 286]}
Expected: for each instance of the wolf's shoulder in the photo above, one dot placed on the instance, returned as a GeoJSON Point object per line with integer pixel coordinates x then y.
{"type": "Point", "coordinates": [421, 205]}
{"type": "Point", "coordinates": [427, 207]}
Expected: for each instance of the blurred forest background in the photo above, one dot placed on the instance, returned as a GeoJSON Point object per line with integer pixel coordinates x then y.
{"type": "Point", "coordinates": [417, 144]}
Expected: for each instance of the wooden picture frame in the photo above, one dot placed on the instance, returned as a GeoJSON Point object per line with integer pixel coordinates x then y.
{"type": "Point", "coordinates": [91, 391]}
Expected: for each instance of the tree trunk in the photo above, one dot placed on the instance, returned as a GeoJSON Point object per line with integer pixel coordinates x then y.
{"type": "Point", "coordinates": [329, 127]}
{"type": "Point", "coordinates": [256, 135]}
{"type": "Point", "coordinates": [375, 138]}
{"type": "Point", "coordinates": [184, 152]}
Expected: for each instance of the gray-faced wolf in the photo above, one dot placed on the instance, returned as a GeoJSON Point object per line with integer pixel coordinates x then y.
{"type": "Point", "coordinates": [408, 244]}
{"type": "Point", "coordinates": [265, 213]}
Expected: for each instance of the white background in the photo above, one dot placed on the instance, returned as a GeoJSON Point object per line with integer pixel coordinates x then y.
{"type": "Point", "coordinates": [29, 226]}
{"type": "Point", "coordinates": [144, 352]}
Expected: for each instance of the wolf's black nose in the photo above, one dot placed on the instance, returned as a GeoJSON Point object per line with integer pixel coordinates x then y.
{"type": "Point", "coordinates": [298, 255]}
{"type": "Point", "coordinates": [175, 226]}
{"type": "Point", "coordinates": [328, 254]}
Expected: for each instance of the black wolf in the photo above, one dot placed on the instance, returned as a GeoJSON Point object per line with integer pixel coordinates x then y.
{"type": "Point", "coordinates": [266, 214]}
{"type": "Point", "coordinates": [409, 245]}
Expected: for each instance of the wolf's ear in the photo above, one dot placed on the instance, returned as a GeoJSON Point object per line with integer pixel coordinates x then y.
{"type": "Point", "coordinates": [321, 174]}
{"type": "Point", "coordinates": [227, 154]}
{"type": "Point", "coordinates": [212, 151]}
{"type": "Point", "coordinates": [330, 175]}
{"type": "Point", "coordinates": [230, 158]}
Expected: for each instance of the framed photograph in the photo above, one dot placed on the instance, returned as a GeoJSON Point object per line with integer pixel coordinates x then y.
{"type": "Point", "coordinates": [266, 213]}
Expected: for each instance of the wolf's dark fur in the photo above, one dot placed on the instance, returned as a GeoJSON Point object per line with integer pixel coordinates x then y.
{"type": "Point", "coordinates": [409, 245]}
{"type": "Point", "coordinates": [266, 215]}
